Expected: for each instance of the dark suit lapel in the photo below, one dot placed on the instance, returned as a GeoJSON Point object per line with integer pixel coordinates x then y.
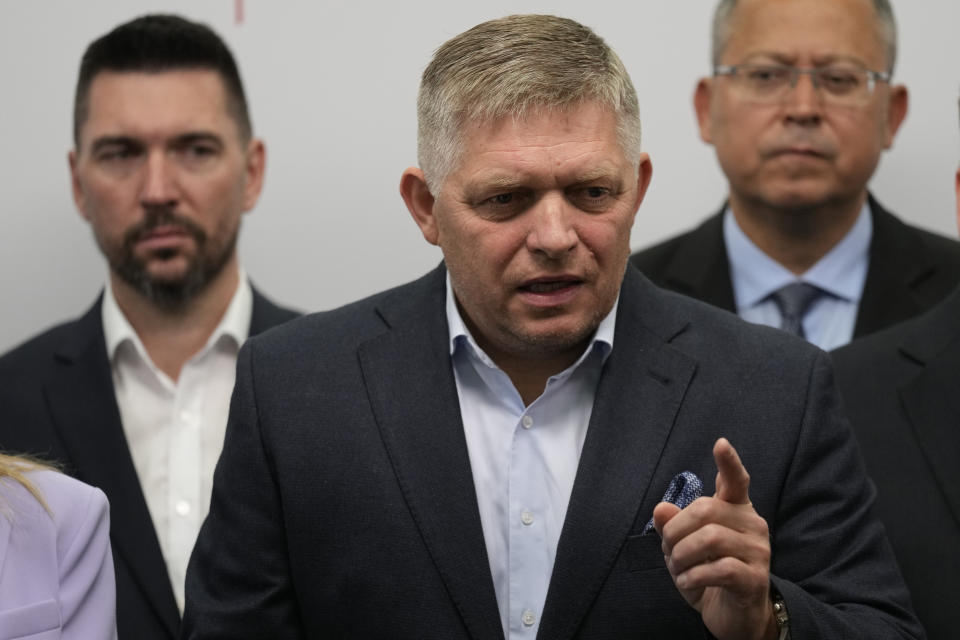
{"type": "Point", "coordinates": [419, 419]}
{"type": "Point", "coordinates": [898, 260]}
{"type": "Point", "coordinates": [931, 401]}
{"type": "Point", "coordinates": [83, 407]}
{"type": "Point", "coordinates": [637, 400]}
{"type": "Point", "coordinates": [700, 267]}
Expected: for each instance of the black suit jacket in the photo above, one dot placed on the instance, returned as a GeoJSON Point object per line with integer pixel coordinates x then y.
{"type": "Point", "coordinates": [910, 269]}
{"type": "Point", "coordinates": [57, 402]}
{"type": "Point", "coordinates": [344, 505]}
{"type": "Point", "coordinates": [900, 388]}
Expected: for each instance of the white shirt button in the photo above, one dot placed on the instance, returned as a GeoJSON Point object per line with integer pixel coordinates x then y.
{"type": "Point", "coordinates": [529, 618]}
{"type": "Point", "coordinates": [183, 508]}
{"type": "Point", "coordinates": [188, 418]}
{"type": "Point", "coordinates": [526, 518]}
{"type": "Point", "coordinates": [527, 422]}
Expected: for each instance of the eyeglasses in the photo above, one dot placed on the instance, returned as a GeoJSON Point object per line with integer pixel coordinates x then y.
{"type": "Point", "coordinates": [770, 83]}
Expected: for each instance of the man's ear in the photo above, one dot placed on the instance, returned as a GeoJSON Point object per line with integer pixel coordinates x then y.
{"type": "Point", "coordinates": [896, 112]}
{"type": "Point", "coordinates": [78, 196]}
{"type": "Point", "coordinates": [256, 161]}
{"type": "Point", "coordinates": [644, 174]}
{"type": "Point", "coordinates": [419, 201]}
{"type": "Point", "coordinates": [702, 96]}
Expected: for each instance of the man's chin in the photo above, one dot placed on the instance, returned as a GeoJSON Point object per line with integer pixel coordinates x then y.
{"type": "Point", "coordinates": [552, 339]}
{"type": "Point", "coordinates": [167, 287]}
{"type": "Point", "coordinates": [799, 197]}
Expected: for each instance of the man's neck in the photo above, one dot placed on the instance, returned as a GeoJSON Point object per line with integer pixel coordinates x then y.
{"type": "Point", "coordinates": [529, 374]}
{"type": "Point", "coordinates": [172, 337]}
{"type": "Point", "coordinates": [796, 238]}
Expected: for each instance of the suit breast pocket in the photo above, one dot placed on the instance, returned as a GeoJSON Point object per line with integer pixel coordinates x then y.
{"type": "Point", "coordinates": [643, 552]}
{"type": "Point", "coordinates": [36, 621]}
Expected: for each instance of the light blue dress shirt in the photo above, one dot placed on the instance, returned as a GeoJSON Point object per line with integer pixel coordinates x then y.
{"type": "Point", "coordinates": [830, 320]}
{"type": "Point", "coordinates": [524, 460]}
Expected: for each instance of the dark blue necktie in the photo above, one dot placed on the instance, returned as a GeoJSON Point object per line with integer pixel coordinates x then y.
{"type": "Point", "coordinates": [793, 301]}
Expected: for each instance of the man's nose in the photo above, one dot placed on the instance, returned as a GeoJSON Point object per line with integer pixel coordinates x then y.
{"type": "Point", "coordinates": [803, 103]}
{"type": "Point", "coordinates": [159, 180]}
{"type": "Point", "coordinates": [552, 233]}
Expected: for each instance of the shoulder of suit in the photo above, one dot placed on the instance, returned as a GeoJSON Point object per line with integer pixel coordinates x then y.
{"type": "Point", "coordinates": [66, 495]}
{"type": "Point", "coordinates": [922, 336]}
{"type": "Point", "coordinates": [346, 325]}
{"type": "Point", "coordinates": [656, 260]}
{"type": "Point", "coordinates": [658, 255]}
{"type": "Point", "coordinates": [942, 249]}
{"type": "Point", "coordinates": [35, 350]}
{"type": "Point", "coordinates": [70, 502]}
{"type": "Point", "coordinates": [938, 247]}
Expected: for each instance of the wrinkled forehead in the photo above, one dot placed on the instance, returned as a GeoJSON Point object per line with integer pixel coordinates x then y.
{"type": "Point", "coordinates": [533, 126]}
{"type": "Point", "coordinates": [581, 142]}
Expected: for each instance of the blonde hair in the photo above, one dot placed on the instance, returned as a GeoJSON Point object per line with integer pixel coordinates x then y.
{"type": "Point", "coordinates": [517, 66]}
{"type": "Point", "coordinates": [16, 468]}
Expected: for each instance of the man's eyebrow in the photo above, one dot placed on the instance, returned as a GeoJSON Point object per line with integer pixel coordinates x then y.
{"type": "Point", "coordinates": [481, 185]}
{"type": "Point", "coordinates": [113, 141]}
{"type": "Point", "coordinates": [192, 137]}
{"type": "Point", "coordinates": [596, 173]}
{"type": "Point", "coordinates": [819, 61]}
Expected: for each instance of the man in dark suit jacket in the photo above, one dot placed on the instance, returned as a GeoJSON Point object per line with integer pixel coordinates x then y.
{"type": "Point", "coordinates": [798, 153]}
{"type": "Point", "coordinates": [910, 270]}
{"type": "Point", "coordinates": [132, 397]}
{"type": "Point", "coordinates": [482, 453]}
{"type": "Point", "coordinates": [899, 390]}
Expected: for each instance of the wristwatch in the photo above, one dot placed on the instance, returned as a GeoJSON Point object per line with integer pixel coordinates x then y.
{"type": "Point", "coordinates": [780, 615]}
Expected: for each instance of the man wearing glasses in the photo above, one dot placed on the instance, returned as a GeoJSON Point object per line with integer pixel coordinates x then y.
{"type": "Point", "coordinates": [799, 109]}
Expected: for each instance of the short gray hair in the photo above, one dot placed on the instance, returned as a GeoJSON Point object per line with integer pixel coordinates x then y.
{"type": "Point", "coordinates": [886, 25]}
{"type": "Point", "coordinates": [517, 66]}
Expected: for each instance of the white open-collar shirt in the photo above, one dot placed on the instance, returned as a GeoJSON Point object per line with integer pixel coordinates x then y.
{"type": "Point", "coordinates": [175, 430]}
{"type": "Point", "coordinates": [524, 460]}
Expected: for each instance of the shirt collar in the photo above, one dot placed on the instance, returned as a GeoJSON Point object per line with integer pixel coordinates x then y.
{"type": "Point", "coordinates": [460, 335]}
{"type": "Point", "coordinates": [234, 325]}
{"type": "Point", "coordinates": [756, 275]}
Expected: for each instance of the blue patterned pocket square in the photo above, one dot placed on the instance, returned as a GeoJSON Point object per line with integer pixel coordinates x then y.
{"type": "Point", "coordinates": [684, 489]}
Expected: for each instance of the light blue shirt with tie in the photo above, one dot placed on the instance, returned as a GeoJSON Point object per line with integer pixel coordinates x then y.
{"type": "Point", "coordinates": [524, 460]}
{"type": "Point", "coordinates": [829, 321]}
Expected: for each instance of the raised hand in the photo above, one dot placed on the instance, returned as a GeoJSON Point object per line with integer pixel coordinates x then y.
{"type": "Point", "coordinates": [718, 552]}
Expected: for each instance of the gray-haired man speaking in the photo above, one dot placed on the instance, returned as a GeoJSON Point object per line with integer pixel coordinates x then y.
{"type": "Point", "coordinates": [482, 453]}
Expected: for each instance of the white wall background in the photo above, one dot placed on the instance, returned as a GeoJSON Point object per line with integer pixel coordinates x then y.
{"type": "Point", "coordinates": [332, 87]}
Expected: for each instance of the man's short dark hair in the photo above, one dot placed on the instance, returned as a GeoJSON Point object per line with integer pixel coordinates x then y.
{"type": "Point", "coordinates": [156, 43]}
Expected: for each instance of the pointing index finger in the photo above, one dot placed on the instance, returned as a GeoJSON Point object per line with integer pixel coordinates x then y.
{"type": "Point", "coordinates": [733, 481]}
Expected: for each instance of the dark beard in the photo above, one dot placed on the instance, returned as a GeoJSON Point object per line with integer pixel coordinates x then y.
{"type": "Point", "coordinates": [170, 295]}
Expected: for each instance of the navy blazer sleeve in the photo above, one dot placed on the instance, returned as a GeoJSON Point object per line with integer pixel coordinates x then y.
{"type": "Point", "coordinates": [239, 577]}
{"type": "Point", "coordinates": [843, 580]}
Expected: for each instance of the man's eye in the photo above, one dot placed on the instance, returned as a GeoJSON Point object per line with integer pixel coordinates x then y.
{"type": "Point", "coordinates": [196, 155]}
{"type": "Point", "coordinates": [764, 76]}
{"type": "Point", "coordinates": [839, 81]}
{"type": "Point", "coordinates": [503, 205]}
{"type": "Point", "coordinates": [118, 154]}
{"type": "Point", "coordinates": [591, 199]}
{"type": "Point", "coordinates": [202, 150]}
{"type": "Point", "coordinates": [596, 192]}
{"type": "Point", "coordinates": [199, 151]}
